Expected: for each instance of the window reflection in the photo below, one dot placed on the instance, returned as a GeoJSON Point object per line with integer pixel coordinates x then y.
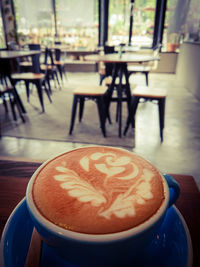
{"type": "Point", "coordinates": [143, 22]}
{"type": "Point", "coordinates": [2, 38]}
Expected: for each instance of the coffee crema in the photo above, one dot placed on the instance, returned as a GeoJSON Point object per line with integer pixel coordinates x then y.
{"type": "Point", "coordinates": [98, 190]}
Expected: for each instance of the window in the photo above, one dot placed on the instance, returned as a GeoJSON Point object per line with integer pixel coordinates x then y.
{"type": "Point", "coordinates": [143, 22]}
{"type": "Point", "coordinates": [77, 23]}
{"type": "Point", "coordinates": [169, 35]}
{"type": "Point", "coordinates": [2, 38]}
{"type": "Point", "coordinates": [35, 21]}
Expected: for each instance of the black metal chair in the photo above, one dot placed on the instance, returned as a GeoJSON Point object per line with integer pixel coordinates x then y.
{"type": "Point", "coordinates": [150, 94]}
{"type": "Point", "coordinates": [89, 92]}
{"type": "Point", "coordinates": [50, 68]}
{"type": "Point", "coordinates": [35, 77]}
{"type": "Point", "coordinates": [107, 68]}
{"type": "Point", "coordinates": [59, 63]}
{"type": "Point", "coordinates": [145, 68]}
{"type": "Point", "coordinates": [26, 64]}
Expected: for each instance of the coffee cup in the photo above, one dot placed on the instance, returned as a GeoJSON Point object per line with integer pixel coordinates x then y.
{"type": "Point", "coordinates": [98, 205]}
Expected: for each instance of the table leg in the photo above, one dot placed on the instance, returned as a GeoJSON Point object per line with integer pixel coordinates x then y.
{"type": "Point", "coordinates": [119, 95]}
{"type": "Point", "coordinates": [19, 99]}
{"type": "Point", "coordinates": [123, 72]}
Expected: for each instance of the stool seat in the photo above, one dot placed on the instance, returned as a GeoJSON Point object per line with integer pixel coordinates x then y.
{"type": "Point", "coordinates": [137, 68]}
{"type": "Point", "coordinates": [149, 93]}
{"type": "Point", "coordinates": [108, 81]}
{"type": "Point", "coordinates": [91, 92]}
{"type": "Point", "coordinates": [26, 64]}
{"type": "Point", "coordinates": [28, 76]}
{"type": "Point", "coordinates": [145, 91]}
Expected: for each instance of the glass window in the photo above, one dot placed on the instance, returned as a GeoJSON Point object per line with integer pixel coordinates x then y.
{"type": "Point", "coordinates": [2, 37]}
{"type": "Point", "coordinates": [77, 23]}
{"type": "Point", "coordinates": [143, 22]}
{"type": "Point", "coordinates": [182, 23]}
{"type": "Point", "coordinates": [170, 36]}
{"type": "Point", "coordinates": [35, 21]}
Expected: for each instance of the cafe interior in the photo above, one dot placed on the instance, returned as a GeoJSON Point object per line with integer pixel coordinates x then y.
{"type": "Point", "coordinates": [137, 65]}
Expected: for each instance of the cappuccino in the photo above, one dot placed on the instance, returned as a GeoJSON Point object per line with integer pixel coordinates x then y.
{"type": "Point", "coordinates": [98, 190]}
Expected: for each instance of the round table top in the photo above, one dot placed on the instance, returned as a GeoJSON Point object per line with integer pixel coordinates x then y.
{"type": "Point", "coordinates": [9, 54]}
{"type": "Point", "coordinates": [125, 58]}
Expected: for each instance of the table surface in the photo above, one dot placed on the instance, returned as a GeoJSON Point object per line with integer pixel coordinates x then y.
{"type": "Point", "coordinates": [7, 54]}
{"type": "Point", "coordinates": [66, 49]}
{"type": "Point", "coordinates": [125, 58]}
{"type": "Point", "coordinates": [14, 177]}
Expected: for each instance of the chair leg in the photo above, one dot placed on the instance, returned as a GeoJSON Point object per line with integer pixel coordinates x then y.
{"type": "Point", "coordinates": [132, 112]}
{"type": "Point", "coordinates": [161, 106]}
{"type": "Point", "coordinates": [48, 81]}
{"type": "Point", "coordinates": [55, 73]}
{"type": "Point", "coordinates": [147, 78]}
{"type": "Point", "coordinates": [12, 105]}
{"type": "Point", "coordinates": [100, 107]}
{"type": "Point", "coordinates": [47, 92]}
{"type": "Point", "coordinates": [5, 103]}
{"type": "Point", "coordinates": [17, 103]}
{"type": "Point", "coordinates": [40, 95]}
{"type": "Point", "coordinates": [27, 90]}
{"type": "Point", "coordinates": [102, 77]}
{"type": "Point", "coordinates": [73, 116]}
{"type": "Point", "coordinates": [63, 71]}
{"type": "Point", "coordinates": [59, 67]}
{"type": "Point", "coordinates": [81, 107]}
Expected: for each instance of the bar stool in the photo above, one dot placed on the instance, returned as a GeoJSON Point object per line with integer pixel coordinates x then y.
{"type": "Point", "coordinates": [89, 92]}
{"type": "Point", "coordinates": [149, 94]}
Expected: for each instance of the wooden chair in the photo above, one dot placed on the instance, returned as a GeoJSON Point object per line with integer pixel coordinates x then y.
{"type": "Point", "coordinates": [105, 70]}
{"type": "Point", "coordinates": [145, 68]}
{"type": "Point", "coordinates": [59, 64]}
{"type": "Point", "coordinates": [149, 94]}
{"type": "Point", "coordinates": [89, 92]}
{"type": "Point", "coordinates": [50, 68]}
{"type": "Point", "coordinates": [7, 93]}
{"type": "Point", "coordinates": [35, 77]}
{"type": "Point", "coordinates": [26, 64]}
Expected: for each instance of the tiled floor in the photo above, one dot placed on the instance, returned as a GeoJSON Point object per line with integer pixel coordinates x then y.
{"type": "Point", "coordinates": [180, 151]}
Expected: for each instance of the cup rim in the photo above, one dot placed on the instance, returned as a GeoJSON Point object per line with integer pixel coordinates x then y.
{"type": "Point", "coordinates": [109, 237]}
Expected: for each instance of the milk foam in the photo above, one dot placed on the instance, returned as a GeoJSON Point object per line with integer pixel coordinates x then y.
{"type": "Point", "coordinates": [112, 166]}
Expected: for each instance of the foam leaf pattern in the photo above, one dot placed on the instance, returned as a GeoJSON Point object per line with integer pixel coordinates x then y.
{"type": "Point", "coordinates": [80, 189]}
{"type": "Point", "coordinates": [121, 207]}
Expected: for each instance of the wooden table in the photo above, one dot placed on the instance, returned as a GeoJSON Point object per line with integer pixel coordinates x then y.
{"type": "Point", "coordinates": [14, 177]}
{"type": "Point", "coordinates": [120, 63]}
{"type": "Point", "coordinates": [8, 54]}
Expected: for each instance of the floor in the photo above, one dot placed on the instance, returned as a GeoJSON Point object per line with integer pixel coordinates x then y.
{"type": "Point", "coordinates": [180, 151]}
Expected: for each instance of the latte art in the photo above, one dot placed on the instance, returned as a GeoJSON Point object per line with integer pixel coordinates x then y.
{"type": "Point", "coordinates": [98, 190]}
{"type": "Point", "coordinates": [123, 204]}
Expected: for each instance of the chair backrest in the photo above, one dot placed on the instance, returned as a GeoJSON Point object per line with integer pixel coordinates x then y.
{"type": "Point", "coordinates": [36, 63]}
{"type": "Point", "coordinates": [109, 49]}
{"type": "Point", "coordinates": [34, 46]}
{"type": "Point", "coordinates": [57, 54]}
{"type": "Point", "coordinates": [48, 58]}
{"type": "Point", "coordinates": [109, 66]}
{"type": "Point", "coordinates": [12, 46]}
{"type": "Point", "coordinates": [35, 58]}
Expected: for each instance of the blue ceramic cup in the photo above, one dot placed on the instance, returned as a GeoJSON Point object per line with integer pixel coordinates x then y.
{"type": "Point", "coordinates": [120, 248]}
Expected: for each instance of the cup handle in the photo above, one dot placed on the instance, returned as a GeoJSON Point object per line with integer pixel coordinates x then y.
{"type": "Point", "coordinates": [174, 189]}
